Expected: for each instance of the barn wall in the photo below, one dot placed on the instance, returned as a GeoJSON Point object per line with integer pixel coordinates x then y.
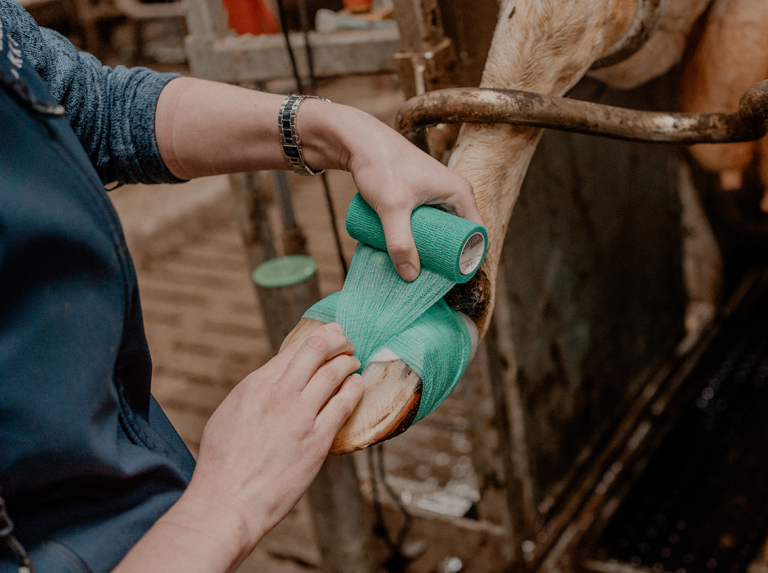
{"type": "Point", "coordinates": [470, 25]}
{"type": "Point", "coordinates": [595, 289]}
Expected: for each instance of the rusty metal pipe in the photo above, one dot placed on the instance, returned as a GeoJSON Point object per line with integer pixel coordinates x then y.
{"type": "Point", "coordinates": [485, 105]}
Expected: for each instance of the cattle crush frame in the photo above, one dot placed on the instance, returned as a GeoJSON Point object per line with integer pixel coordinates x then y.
{"type": "Point", "coordinates": [527, 520]}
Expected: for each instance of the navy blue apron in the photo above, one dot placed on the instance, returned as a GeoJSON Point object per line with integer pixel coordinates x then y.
{"type": "Point", "coordinates": [88, 460]}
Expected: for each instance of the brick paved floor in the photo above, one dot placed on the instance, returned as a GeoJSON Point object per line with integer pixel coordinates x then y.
{"type": "Point", "coordinates": [203, 326]}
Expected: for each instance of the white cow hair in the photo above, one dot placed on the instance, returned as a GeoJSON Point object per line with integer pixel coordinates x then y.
{"type": "Point", "coordinates": [547, 46]}
{"type": "Point", "coordinates": [663, 49]}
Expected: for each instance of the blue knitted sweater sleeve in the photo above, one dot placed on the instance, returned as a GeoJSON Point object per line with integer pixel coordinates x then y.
{"type": "Point", "coordinates": [112, 111]}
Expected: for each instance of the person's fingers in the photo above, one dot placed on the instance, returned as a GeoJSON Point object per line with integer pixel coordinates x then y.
{"type": "Point", "coordinates": [312, 354]}
{"type": "Point", "coordinates": [400, 245]}
{"type": "Point", "coordinates": [328, 379]}
{"type": "Point", "coordinates": [340, 407]}
{"type": "Point", "coordinates": [290, 351]}
{"type": "Point", "coordinates": [330, 327]}
{"type": "Point", "coordinates": [275, 366]}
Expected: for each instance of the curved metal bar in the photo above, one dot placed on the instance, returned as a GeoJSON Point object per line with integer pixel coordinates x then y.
{"type": "Point", "coordinates": [644, 24]}
{"type": "Point", "coordinates": [484, 105]}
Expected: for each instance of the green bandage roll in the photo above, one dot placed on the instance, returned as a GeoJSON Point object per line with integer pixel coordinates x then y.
{"type": "Point", "coordinates": [448, 245]}
{"type": "Point", "coordinates": [379, 310]}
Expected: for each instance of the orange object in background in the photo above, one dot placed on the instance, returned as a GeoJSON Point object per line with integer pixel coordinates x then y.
{"type": "Point", "coordinates": [250, 17]}
{"type": "Point", "coordinates": [357, 5]}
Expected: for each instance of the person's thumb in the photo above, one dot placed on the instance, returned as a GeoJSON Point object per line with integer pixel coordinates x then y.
{"type": "Point", "coordinates": [400, 245]}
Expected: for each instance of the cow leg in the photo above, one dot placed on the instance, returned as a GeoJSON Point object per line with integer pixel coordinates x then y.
{"type": "Point", "coordinates": [731, 54]}
{"type": "Point", "coordinates": [544, 46]}
{"type": "Point", "coordinates": [541, 46]}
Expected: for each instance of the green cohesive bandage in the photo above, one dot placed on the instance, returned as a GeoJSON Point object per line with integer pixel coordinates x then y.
{"type": "Point", "coordinates": [378, 310]}
{"type": "Point", "coordinates": [448, 245]}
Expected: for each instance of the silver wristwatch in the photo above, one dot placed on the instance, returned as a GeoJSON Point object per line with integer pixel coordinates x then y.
{"type": "Point", "coordinates": [289, 138]}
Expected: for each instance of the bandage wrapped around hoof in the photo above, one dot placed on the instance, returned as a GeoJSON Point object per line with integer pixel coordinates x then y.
{"type": "Point", "coordinates": [412, 346]}
{"type": "Point", "coordinates": [408, 377]}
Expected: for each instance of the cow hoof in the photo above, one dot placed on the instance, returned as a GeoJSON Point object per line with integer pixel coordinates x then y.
{"type": "Point", "coordinates": [474, 299]}
{"type": "Point", "coordinates": [390, 400]}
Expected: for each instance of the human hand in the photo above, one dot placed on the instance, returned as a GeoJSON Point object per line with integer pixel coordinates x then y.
{"type": "Point", "coordinates": [260, 451]}
{"type": "Point", "coordinates": [265, 443]}
{"type": "Point", "coordinates": [202, 128]}
{"type": "Point", "coordinates": [395, 177]}
{"type": "Point", "coordinates": [392, 175]}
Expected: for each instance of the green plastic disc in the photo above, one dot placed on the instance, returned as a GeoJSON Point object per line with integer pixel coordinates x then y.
{"type": "Point", "coordinates": [284, 271]}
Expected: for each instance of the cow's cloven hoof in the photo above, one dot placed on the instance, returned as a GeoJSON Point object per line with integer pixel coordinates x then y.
{"type": "Point", "coordinates": [391, 396]}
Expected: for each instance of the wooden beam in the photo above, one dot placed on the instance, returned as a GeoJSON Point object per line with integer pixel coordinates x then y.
{"type": "Point", "coordinates": [420, 22]}
{"type": "Point", "coordinates": [237, 59]}
{"type": "Point", "coordinates": [427, 59]}
{"type": "Point", "coordinates": [250, 202]}
{"type": "Point", "coordinates": [157, 11]}
{"type": "Point", "coordinates": [341, 527]}
{"type": "Point", "coordinates": [480, 545]}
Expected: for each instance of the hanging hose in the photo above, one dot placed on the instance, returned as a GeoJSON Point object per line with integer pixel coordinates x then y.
{"type": "Point", "coordinates": [304, 21]}
{"type": "Point", "coordinates": [334, 225]}
{"type": "Point", "coordinates": [284, 26]}
{"type": "Point", "coordinates": [303, 16]}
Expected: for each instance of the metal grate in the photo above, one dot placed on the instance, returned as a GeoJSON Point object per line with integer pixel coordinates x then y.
{"type": "Point", "coordinates": [701, 502]}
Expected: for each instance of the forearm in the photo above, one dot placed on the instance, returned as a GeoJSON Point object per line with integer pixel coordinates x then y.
{"type": "Point", "coordinates": [206, 128]}
{"type": "Point", "coordinates": [194, 536]}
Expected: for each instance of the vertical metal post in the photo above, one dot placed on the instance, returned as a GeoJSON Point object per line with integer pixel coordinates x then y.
{"type": "Point", "coordinates": [498, 433]}
{"type": "Point", "coordinates": [510, 419]}
{"type": "Point", "coordinates": [427, 59]}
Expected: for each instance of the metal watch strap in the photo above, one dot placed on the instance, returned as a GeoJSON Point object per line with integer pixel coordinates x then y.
{"type": "Point", "coordinates": [289, 138]}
